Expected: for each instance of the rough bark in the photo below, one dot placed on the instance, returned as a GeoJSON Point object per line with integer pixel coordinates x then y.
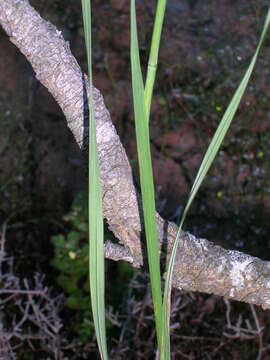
{"type": "Point", "coordinates": [200, 265]}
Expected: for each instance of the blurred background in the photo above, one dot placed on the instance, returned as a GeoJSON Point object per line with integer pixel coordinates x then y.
{"type": "Point", "coordinates": [206, 48]}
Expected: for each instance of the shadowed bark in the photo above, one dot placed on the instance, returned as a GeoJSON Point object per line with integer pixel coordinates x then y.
{"type": "Point", "coordinates": [200, 265]}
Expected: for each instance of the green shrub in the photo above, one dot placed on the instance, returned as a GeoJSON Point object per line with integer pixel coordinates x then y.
{"type": "Point", "coordinates": [71, 261]}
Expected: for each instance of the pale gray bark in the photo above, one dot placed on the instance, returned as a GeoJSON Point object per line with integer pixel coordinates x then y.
{"type": "Point", "coordinates": [200, 265]}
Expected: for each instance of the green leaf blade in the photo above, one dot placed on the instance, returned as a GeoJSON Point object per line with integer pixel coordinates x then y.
{"type": "Point", "coordinates": [146, 176]}
{"type": "Point", "coordinates": [153, 58]}
{"type": "Point", "coordinates": [96, 236]}
{"type": "Point", "coordinates": [206, 163]}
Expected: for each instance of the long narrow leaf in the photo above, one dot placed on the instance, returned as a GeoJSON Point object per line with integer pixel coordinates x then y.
{"type": "Point", "coordinates": [146, 176]}
{"type": "Point", "coordinates": [96, 246]}
{"type": "Point", "coordinates": [153, 58]}
{"type": "Point", "coordinates": [206, 163]}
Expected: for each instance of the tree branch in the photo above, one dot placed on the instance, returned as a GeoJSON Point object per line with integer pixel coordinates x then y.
{"type": "Point", "coordinates": [200, 265]}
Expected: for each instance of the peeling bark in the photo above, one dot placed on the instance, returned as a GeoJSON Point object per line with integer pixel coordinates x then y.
{"type": "Point", "coordinates": [200, 265]}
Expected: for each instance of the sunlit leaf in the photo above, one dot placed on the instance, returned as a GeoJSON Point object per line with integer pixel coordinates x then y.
{"type": "Point", "coordinates": [146, 176]}
{"type": "Point", "coordinates": [206, 163]}
{"type": "Point", "coordinates": [96, 246]}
